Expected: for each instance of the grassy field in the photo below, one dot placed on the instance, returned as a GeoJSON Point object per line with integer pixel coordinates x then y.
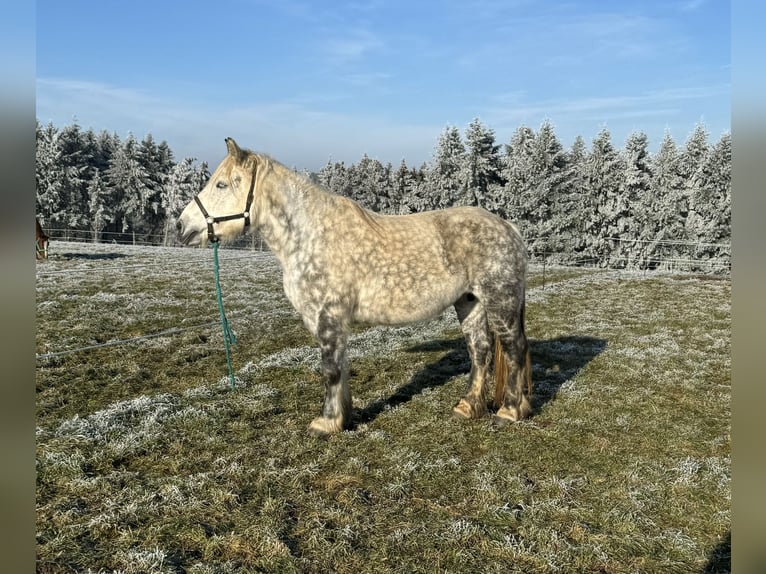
{"type": "Point", "coordinates": [147, 460]}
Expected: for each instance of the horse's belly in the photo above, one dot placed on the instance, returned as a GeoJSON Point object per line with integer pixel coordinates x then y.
{"type": "Point", "coordinates": [380, 303]}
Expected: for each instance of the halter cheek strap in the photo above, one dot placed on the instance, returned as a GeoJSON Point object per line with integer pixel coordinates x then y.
{"type": "Point", "coordinates": [213, 220]}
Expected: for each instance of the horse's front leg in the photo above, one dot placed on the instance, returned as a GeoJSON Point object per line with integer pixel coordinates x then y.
{"type": "Point", "coordinates": [336, 410]}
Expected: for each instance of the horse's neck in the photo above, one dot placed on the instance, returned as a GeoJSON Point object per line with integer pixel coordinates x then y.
{"type": "Point", "coordinates": [284, 212]}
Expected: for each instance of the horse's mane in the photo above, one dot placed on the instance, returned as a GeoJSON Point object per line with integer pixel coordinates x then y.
{"type": "Point", "coordinates": [370, 218]}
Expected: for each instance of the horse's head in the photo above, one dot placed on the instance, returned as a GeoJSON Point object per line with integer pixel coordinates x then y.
{"type": "Point", "coordinates": [222, 210]}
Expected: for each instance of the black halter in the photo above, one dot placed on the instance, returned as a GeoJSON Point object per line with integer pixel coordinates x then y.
{"type": "Point", "coordinates": [213, 220]}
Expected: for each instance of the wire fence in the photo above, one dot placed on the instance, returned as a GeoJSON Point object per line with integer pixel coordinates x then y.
{"type": "Point", "coordinates": [121, 342]}
{"type": "Point", "coordinates": [142, 239]}
{"type": "Point", "coordinates": [641, 254]}
{"type": "Point", "coordinates": [166, 262]}
{"type": "Point", "coordinates": [171, 256]}
{"type": "Point", "coordinates": [628, 254]}
{"type": "Point", "coordinates": [638, 254]}
{"type": "Point", "coordinates": [647, 265]}
{"type": "Point", "coordinates": [166, 257]}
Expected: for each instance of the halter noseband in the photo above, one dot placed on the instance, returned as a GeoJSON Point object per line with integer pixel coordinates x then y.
{"type": "Point", "coordinates": [213, 220]}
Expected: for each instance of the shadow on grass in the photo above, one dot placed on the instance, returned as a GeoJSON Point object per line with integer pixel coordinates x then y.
{"type": "Point", "coordinates": [719, 561]}
{"type": "Point", "coordinates": [455, 362]}
{"type": "Point", "coordinates": [554, 361]}
{"type": "Point", "coordinates": [88, 256]}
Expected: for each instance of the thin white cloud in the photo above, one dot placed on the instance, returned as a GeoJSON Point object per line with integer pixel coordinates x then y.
{"type": "Point", "coordinates": [295, 133]}
{"type": "Point", "coordinates": [691, 5]}
{"type": "Point", "coordinates": [512, 106]}
{"type": "Point", "coordinates": [366, 79]}
{"type": "Point", "coordinates": [351, 46]}
{"type": "Point", "coordinates": [618, 35]}
{"type": "Point", "coordinates": [363, 6]}
{"type": "Point", "coordinates": [90, 93]}
{"type": "Point", "coordinates": [648, 112]}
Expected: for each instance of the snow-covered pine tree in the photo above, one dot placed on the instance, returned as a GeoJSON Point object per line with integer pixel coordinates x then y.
{"type": "Point", "coordinates": [420, 196]}
{"type": "Point", "coordinates": [157, 161]}
{"type": "Point", "coordinates": [76, 161]}
{"type": "Point", "coordinates": [633, 206]}
{"type": "Point", "coordinates": [200, 176]}
{"type": "Point", "coordinates": [128, 183]}
{"type": "Point", "coordinates": [336, 177]}
{"type": "Point", "coordinates": [324, 175]}
{"type": "Point", "coordinates": [365, 179]}
{"type": "Point", "coordinates": [691, 166]}
{"type": "Point", "coordinates": [384, 184]}
{"type": "Point", "coordinates": [571, 203]}
{"type": "Point", "coordinates": [481, 168]}
{"type": "Point", "coordinates": [517, 174]}
{"type": "Point", "coordinates": [549, 177]}
{"type": "Point", "coordinates": [604, 171]}
{"type": "Point", "coordinates": [444, 175]}
{"type": "Point", "coordinates": [49, 175]}
{"type": "Point", "coordinates": [355, 174]}
{"type": "Point", "coordinates": [668, 217]}
{"type": "Point", "coordinates": [179, 188]}
{"type": "Point", "coordinates": [100, 210]}
{"type": "Point", "coordinates": [710, 205]}
{"type": "Point", "coordinates": [402, 186]}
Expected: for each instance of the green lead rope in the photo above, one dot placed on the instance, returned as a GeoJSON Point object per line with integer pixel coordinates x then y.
{"type": "Point", "coordinates": [228, 335]}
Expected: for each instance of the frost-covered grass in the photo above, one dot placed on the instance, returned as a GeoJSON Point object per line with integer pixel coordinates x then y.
{"type": "Point", "coordinates": [147, 460]}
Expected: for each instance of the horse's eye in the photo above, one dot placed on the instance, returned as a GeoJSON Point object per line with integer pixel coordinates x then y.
{"type": "Point", "coordinates": [221, 185]}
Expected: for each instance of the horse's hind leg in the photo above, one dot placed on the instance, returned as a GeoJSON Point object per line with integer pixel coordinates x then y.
{"type": "Point", "coordinates": [473, 322]}
{"type": "Point", "coordinates": [336, 409]}
{"type": "Point", "coordinates": [513, 369]}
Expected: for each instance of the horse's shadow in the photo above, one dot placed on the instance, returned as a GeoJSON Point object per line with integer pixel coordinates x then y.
{"type": "Point", "coordinates": [719, 561]}
{"type": "Point", "coordinates": [432, 375]}
{"type": "Point", "coordinates": [554, 363]}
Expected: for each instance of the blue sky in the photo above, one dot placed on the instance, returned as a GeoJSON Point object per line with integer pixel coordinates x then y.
{"type": "Point", "coordinates": [312, 81]}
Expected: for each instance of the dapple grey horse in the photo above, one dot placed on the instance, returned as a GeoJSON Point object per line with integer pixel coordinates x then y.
{"type": "Point", "coordinates": [343, 264]}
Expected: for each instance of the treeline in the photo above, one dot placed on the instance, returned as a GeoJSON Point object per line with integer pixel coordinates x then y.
{"type": "Point", "coordinates": [596, 205]}
{"type": "Point", "coordinates": [621, 208]}
{"type": "Point", "coordinates": [113, 189]}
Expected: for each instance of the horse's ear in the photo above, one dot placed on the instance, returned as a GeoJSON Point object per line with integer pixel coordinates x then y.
{"type": "Point", "coordinates": [233, 148]}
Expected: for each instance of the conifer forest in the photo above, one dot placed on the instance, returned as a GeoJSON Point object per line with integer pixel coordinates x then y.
{"type": "Point", "coordinates": [590, 204]}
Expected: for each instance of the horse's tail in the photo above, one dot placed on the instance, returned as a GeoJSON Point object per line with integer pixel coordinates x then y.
{"type": "Point", "coordinates": [501, 373]}
{"type": "Point", "coordinates": [501, 366]}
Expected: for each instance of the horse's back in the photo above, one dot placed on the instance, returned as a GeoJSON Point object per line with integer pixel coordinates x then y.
{"type": "Point", "coordinates": [407, 267]}
{"type": "Point", "coordinates": [483, 226]}
{"type": "Point", "coordinates": [478, 239]}
{"type": "Point", "coordinates": [397, 267]}
{"type": "Point", "coordinates": [452, 241]}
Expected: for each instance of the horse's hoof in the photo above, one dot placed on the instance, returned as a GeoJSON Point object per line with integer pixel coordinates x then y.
{"type": "Point", "coordinates": [462, 410]}
{"type": "Point", "coordinates": [465, 410]}
{"type": "Point", "coordinates": [501, 422]}
{"type": "Point", "coordinates": [322, 428]}
{"type": "Point", "coordinates": [317, 433]}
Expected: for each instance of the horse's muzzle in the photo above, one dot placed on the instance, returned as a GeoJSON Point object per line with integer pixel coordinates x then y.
{"type": "Point", "coordinates": [184, 236]}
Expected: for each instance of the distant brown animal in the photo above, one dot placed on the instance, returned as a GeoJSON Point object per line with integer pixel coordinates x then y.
{"type": "Point", "coordinates": [41, 241]}
{"type": "Point", "coordinates": [343, 264]}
